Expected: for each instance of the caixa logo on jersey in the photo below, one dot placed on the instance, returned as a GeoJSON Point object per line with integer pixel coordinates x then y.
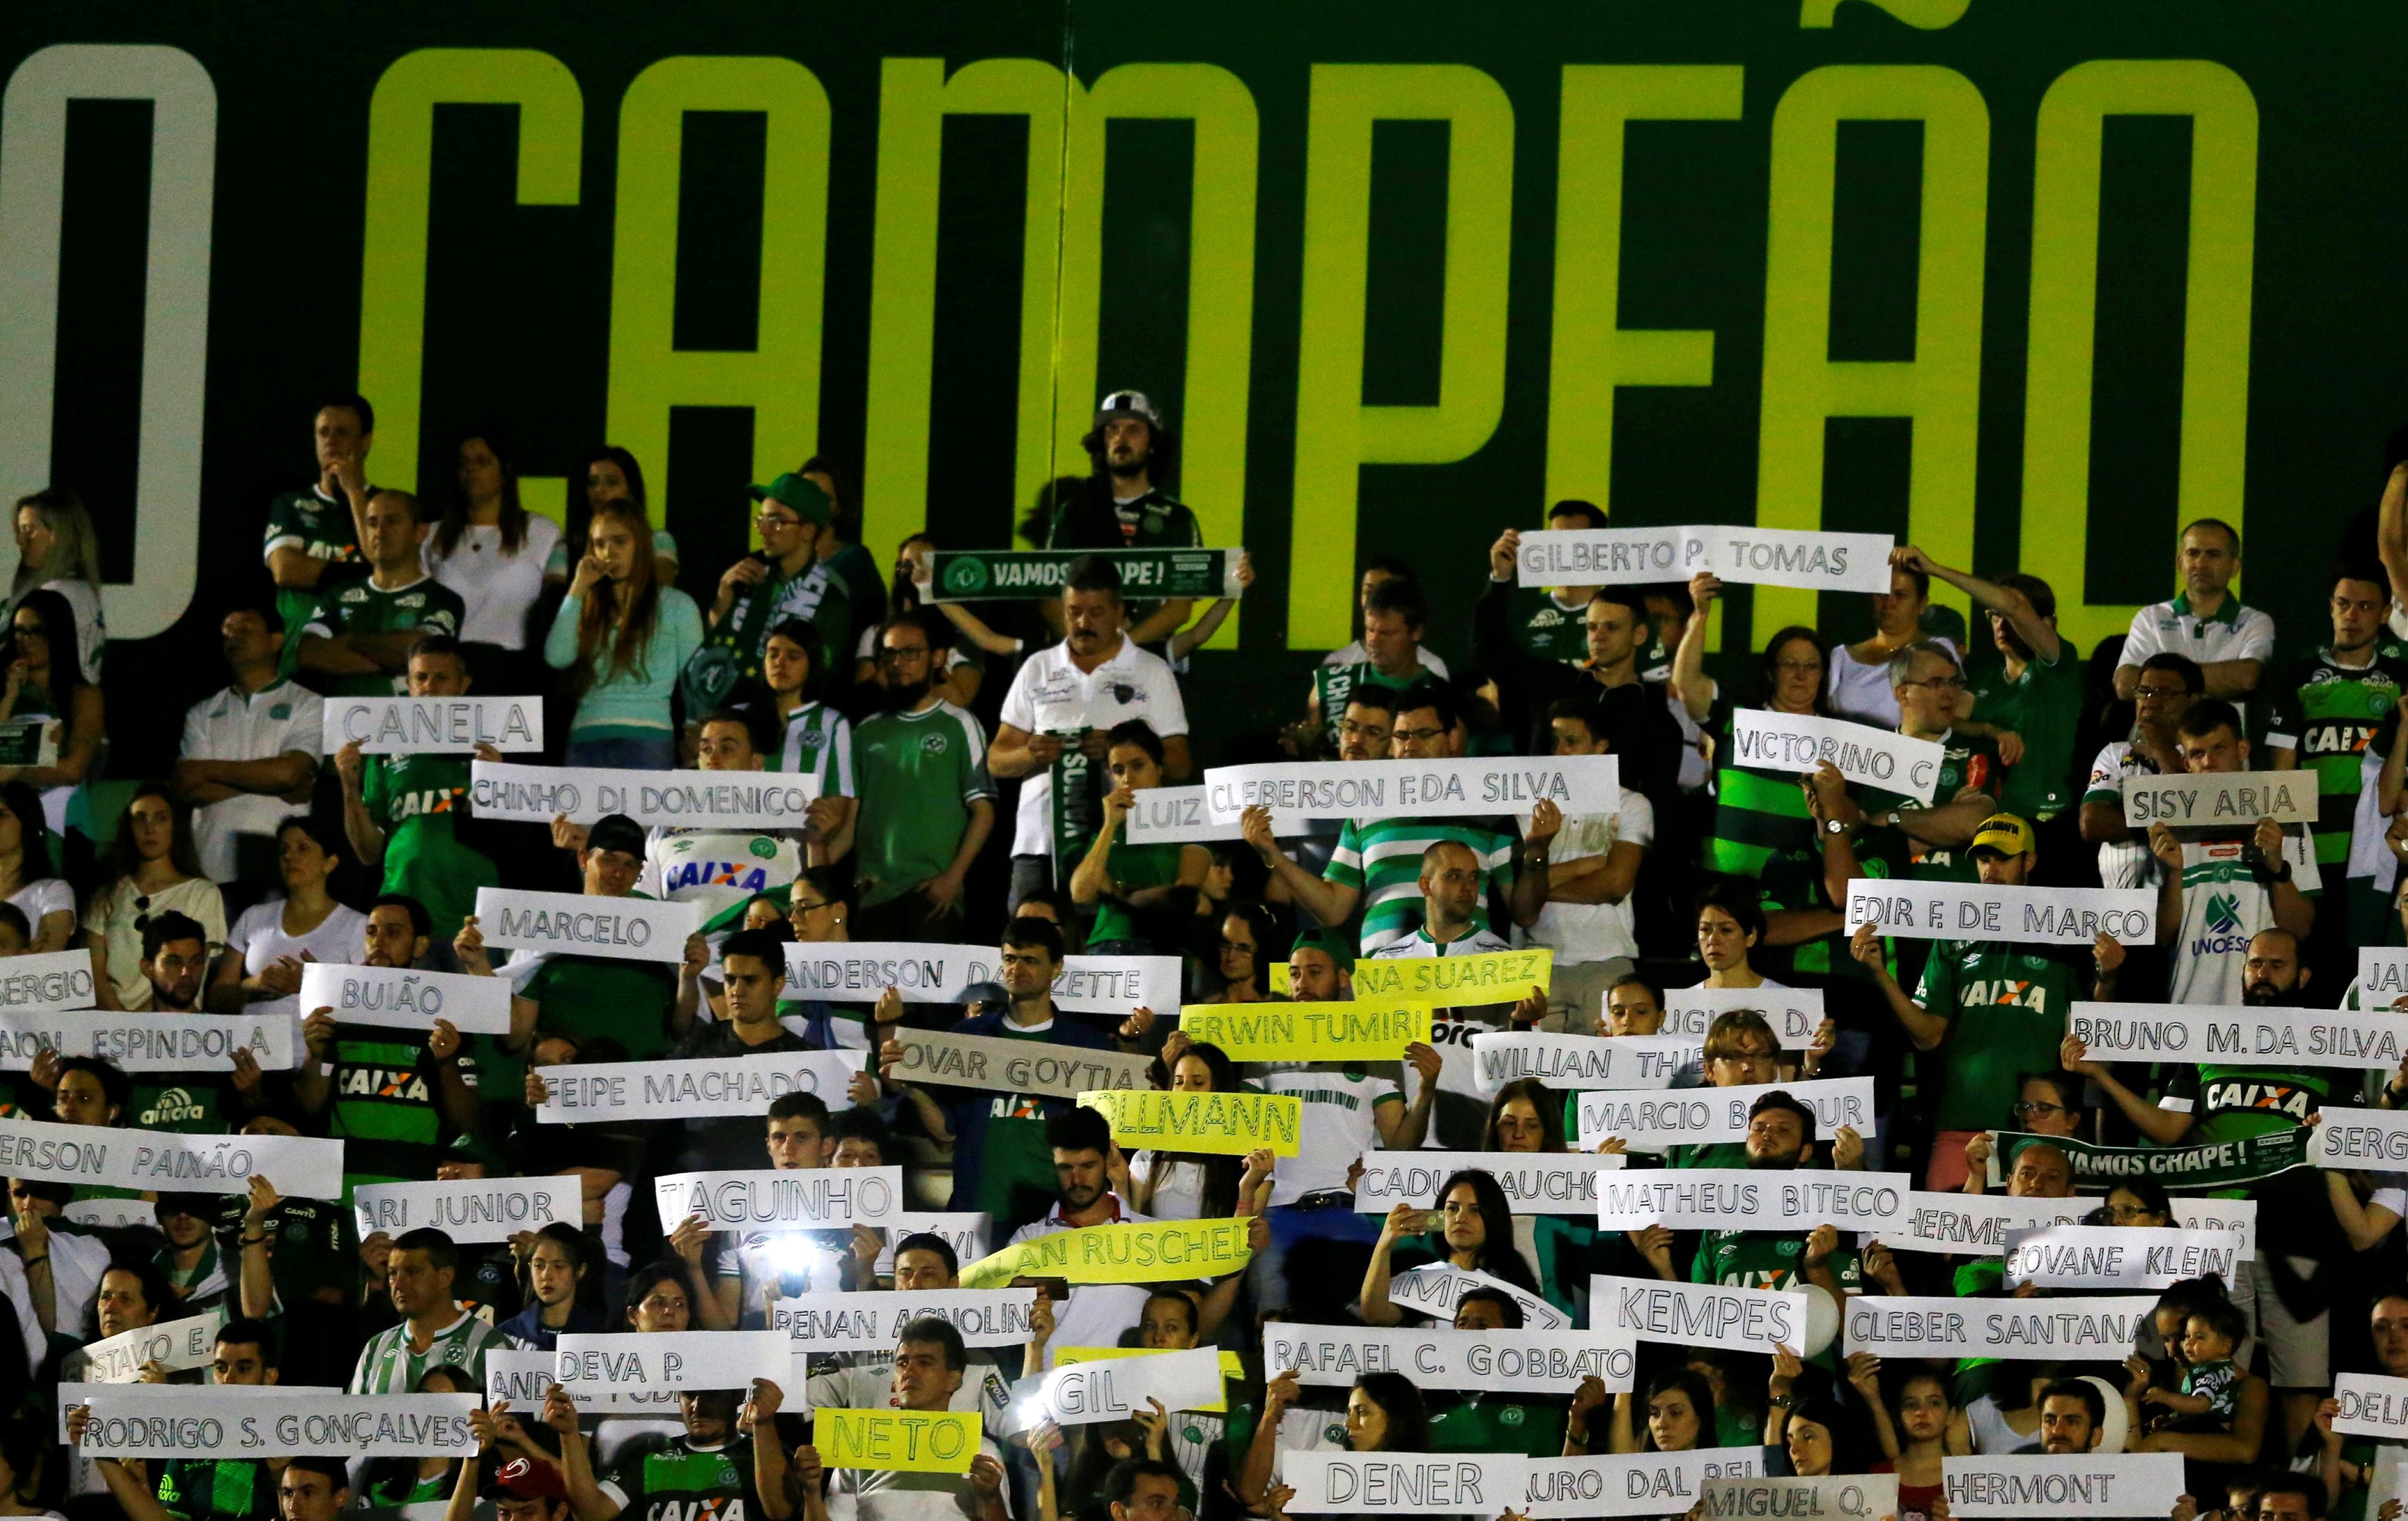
{"type": "Point", "coordinates": [749, 876]}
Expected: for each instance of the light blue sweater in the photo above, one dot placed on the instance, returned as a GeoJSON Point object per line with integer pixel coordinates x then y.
{"type": "Point", "coordinates": [635, 701]}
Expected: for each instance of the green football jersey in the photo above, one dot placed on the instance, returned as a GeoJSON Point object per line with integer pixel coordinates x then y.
{"type": "Point", "coordinates": [2005, 1007]}
{"type": "Point", "coordinates": [386, 1111]}
{"type": "Point", "coordinates": [320, 527]}
{"type": "Point", "coordinates": [2328, 714]}
{"type": "Point", "coordinates": [361, 606]}
{"type": "Point", "coordinates": [917, 775]}
{"type": "Point", "coordinates": [418, 800]}
{"type": "Point", "coordinates": [1548, 630]}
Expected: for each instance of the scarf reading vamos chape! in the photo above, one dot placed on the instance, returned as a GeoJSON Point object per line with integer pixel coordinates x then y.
{"type": "Point", "coordinates": [2218, 1164]}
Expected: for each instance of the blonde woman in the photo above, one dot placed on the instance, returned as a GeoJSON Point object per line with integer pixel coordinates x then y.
{"type": "Point", "coordinates": [625, 637]}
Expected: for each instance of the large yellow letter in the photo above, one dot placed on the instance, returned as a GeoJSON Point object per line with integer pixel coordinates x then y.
{"type": "Point", "coordinates": [779, 377]}
{"type": "Point", "coordinates": [393, 265]}
{"type": "Point", "coordinates": [1939, 388]}
{"type": "Point", "coordinates": [1336, 434]}
{"type": "Point", "coordinates": [2065, 301]}
{"type": "Point", "coordinates": [914, 99]}
{"type": "Point", "coordinates": [1211, 415]}
{"type": "Point", "coordinates": [1594, 353]}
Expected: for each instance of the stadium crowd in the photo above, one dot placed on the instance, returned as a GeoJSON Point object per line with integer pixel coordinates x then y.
{"type": "Point", "coordinates": [976, 767]}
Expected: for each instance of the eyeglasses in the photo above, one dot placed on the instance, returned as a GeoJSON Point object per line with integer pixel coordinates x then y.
{"type": "Point", "coordinates": [1239, 946]}
{"type": "Point", "coordinates": [2029, 1111]}
{"type": "Point", "coordinates": [897, 657]}
{"type": "Point", "coordinates": [765, 521]}
{"type": "Point", "coordinates": [806, 907]}
{"type": "Point", "coordinates": [1415, 736]}
{"type": "Point", "coordinates": [1797, 664]}
{"type": "Point", "coordinates": [2129, 1212]}
{"type": "Point", "coordinates": [141, 914]}
{"type": "Point", "coordinates": [2159, 693]}
{"type": "Point", "coordinates": [1939, 684]}
{"type": "Point", "coordinates": [1354, 730]}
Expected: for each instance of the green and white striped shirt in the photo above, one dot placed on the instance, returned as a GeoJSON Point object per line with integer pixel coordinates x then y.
{"type": "Point", "coordinates": [388, 1366]}
{"type": "Point", "coordinates": [818, 741]}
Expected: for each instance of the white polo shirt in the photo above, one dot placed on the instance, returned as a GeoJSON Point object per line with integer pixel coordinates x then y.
{"type": "Point", "coordinates": [1051, 696]}
{"type": "Point", "coordinates": [230, 726]}
{"type": "Point", "coordinates": [2233, 632]}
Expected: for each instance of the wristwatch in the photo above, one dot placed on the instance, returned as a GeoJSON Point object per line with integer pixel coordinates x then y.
{"type": "Point", "coordinates": [1834, 826]}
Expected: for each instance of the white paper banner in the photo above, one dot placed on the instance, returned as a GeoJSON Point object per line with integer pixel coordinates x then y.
{"type": "Point", "coordinates": [992, 1063]}
{"type": "Point", "coordinates": [153, 1159]}
{"type": "Point", "coordinates": [285, 1425]}
{"type": "Point", "coordinates": [148, 1043]}
{"type": "Point", "coordinates": [1795, 1013]}
{"type": "Point", "coordinates": [1297, 791]}
{"type": "Point", "coordinates": [686, 799]}
{"type": "Point", "coordinates": [622, 928]}
{"type": "Point", "coordinates": [2383, 976]}
{"type": "Point", "coordinates": [2119, 1256]}
{"type": "Point", "coordinates": [1697, 1314]}
{"type": "Point", "coordinates": [2219, 799]}
{"type": "Point", "coordinates": [434, 726]}
{"type": "Point", "coordinates": [397, 998]}
{"type": "Point", "coordinates": [1641, 1484]}
{"type": "Point", "coordinates": [674, 1359]}
{"type": "Point", "coordinates": [799, 1198]}
{"type": "Point", "coordinates": [1872, 757]}
{"type": "Point", "coordinates": [1733, 1198]}
{"type": "Point", "coordinates": [1976, 1225]}
{"type": "Point", "coordinates": [965, 1230]}
{"type": "Point", "coordinates": [166, 1397]}
{"type": "Point", "coordinates": [1115, 1389]}
{"type": "Point", "coordinates": [111, 1213]}
{"type": "Point", "coordinates": [1368, 1484]}
{"type": "Point", "coordinates": [523, 1378]}
{"type": "Point", "coordinates": [2234, 1034]}
{"type": "Point", "coordinates": [1436, 1357]}
{"type": "Point", "coordinates": [1581, 1061]}
{"type": "Point", "coordinates": [870, 1320]}
{"type": "Point", "coordinates": [1691, 1116]}
{"type": "Point", "coordinates": [1115, 984]}
{"type": "Point", "coordinates": [2362, 1140]}
{"type": "Point", "coordinates": [2372, 1405]}
{"type": "Point", "coordinates": [1949, 911]}
{"type": "Point", "coordinates": [470, 1210]}
{"type": "Point", "coordinates": [1433, 1288]}
{"type": "Point", "coordinates": [858, 973]}
{"type": "Point", "coordinates": [1810, 559]}
{"type": "Point", "coordinates": [2104, 1328]}
{"type": "Point", "coordinates": [1176, 816]}
{"type": "Point", "coordinates": [176, 1346]}
{"type": "Point", "coordinates": [695, 1088]}
{"type": "Point", "coordinates": [1535, 1183]}
{"type": "Point", "coordinates": [1858, 1497]}
{"type": "Point", "coordinates": [2083, 1483]}
{"type": "Point", "coordinates": [50, 982]}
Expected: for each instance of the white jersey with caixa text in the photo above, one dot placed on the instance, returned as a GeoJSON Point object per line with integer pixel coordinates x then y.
{"type": "Point", "coordinates": [2223, 906]}
{"type": "Point", "coordinates": [722, 869]}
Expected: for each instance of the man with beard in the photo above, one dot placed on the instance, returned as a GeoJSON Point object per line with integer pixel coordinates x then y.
{"type": "Point", "coordinates": [1133, 454]}
{"type": "Point", "coordinates": [2222, 888]}
{"type": "Point", "coordinates": [175, 960]}
{"type": "Point", "coordinates": [1064, 701]}
{"type": "Point", "coordinates": [2333, 715]}
{"type": "Point", "coordinates": [1780, 1138]}
{"type": "Point", "coordinates": [2072, 1414]}
{"type": "Point", "coordinates": [784, 579]}
{"type": "Point", "coordinates": [927, 805]}
{"type": "Point", "coordinates": [2211, 1105]}
{"type": "Point", "coordinates": [1095, 1315]}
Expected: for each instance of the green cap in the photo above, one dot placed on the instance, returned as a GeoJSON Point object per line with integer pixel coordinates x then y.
{"type": "Point", "coordinates": [1340, 948]}
{"type": "Point", "coordinates": [800, 492]}
{"type": "Point", "coordinates": [468, 1146]}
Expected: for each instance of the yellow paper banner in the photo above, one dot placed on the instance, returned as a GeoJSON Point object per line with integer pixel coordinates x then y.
{"type": "Point", "coordinates": [913, 1440]}
{"type": "Point", "coordinates": [1362, 1031]}
{"type": "Point", "coordinates": [1232, 1365]}
{"type": "Point", "coordinates": [1229, 1122]}
{"type": "Point", "coordinates": [1152, 1252]}
{"type": "Point", "coordinates": [1447, 981]}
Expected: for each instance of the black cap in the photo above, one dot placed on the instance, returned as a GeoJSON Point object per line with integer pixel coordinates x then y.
{"type": "Point", "coordinates": [616, 832]}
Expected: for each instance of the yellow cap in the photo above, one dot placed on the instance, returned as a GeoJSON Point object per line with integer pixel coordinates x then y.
{"type": "Point", "coordinates": [2006, 833]}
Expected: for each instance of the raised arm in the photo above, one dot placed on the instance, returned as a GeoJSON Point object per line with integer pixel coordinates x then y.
{"type": "Point", "coordinates": [1690, 682]}
{"type": "Point", "coordinates": [2039, 634]}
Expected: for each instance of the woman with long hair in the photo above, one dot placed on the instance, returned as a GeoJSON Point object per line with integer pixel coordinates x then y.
{"type": "Point", "coordinates": [498, 556]}
{"type": "Point", "coordinates": [1525, 1117]}
{"type": "Point", "coordinates": [1473, 1230]}
{"type": "Point", "coordinates": [28, 880]}
{"type": "Point", "coordinates": [153, 869]}
{"type": "Point", "coordinates": [1384, 1413]}
{"type": "Point", "coordinates": [1191, 1185]}
{"type": "Point", "coordinates": [58, 550]}
{"type": "Point", "coordinates": [1242, 951]}
{"type": "Point", "coordinates": [626, 638]}
{"type": "Point", "coordinates": [1680, 1415]}
{"type": "Point", "coordinates": [795, 731]}
{"type": "Point", "coordinates": [45, 679]}
{"type": "Point", "coordinates": [612, 475]}
{"type": "Point", "coordinates": [389, 1483]}
{"type": "Point", "coordinates": [1923, 1427]}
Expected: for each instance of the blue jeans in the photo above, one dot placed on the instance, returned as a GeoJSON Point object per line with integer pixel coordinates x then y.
{"type": "Point", "coordinates": [631, 754]}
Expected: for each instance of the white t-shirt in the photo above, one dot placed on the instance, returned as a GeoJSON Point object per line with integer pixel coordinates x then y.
{"type": "Point", "coordinates": [1340, 1105]}
{"type": "Point", "coordinates": [1355, 655]}
{"type": "Point", "coordinates": [2222, 909]}
{"type": "Point", "coordinates": [1584, 932]}
{"type": "Point", "coordinates": [499, 587]}
{"type": "Point", "coordinates": [45, 895]}
{"type": "Point", "coordinates": [2235, 633]}
{"type": "Point", "coordinates": [259, 937]}
{"type": "Point", "coordinates": [866, 1381]}
{"type": "Point", "coordinates": [904, 1495]}
{"type": "Point", "coordinates": [114, 910]}
{"type": "Point", "coordinates": [1051, 696]}
{"type": "Point", "coordinates": [1451, 1029]}
{"type": "Point", "coordinates": [2122, 863]}
{"type": "Point", "coordinates": [1179, 1193]}
{"type": "Point", "coordinates": [277, 720]}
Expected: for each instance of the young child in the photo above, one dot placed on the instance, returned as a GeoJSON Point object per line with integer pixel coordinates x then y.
{"type": "Point", "coordinates": [2210, 1383]}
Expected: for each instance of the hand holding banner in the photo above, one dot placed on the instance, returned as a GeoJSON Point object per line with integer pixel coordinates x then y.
{"type": "Point", "coordinates": [1309, 1032]}
{"type": "Point", "coordinates": [154, 1159]}
{"type": "Point", "coordinates": [2080, 1483]}
{"type": "Point", "coordinates": [1535, 1183]}
{"type": "Point", "coordinates": [1144, 1252]}
{"type": "Point", "coordinates": [1175, 816]}
{"type": "Point", "coordinates": [688, 799]}
{"type": "Point", "coordinates": [797, 1198]}
{"type": "Point", "coordinates": [1697, 1315]}
{"type": "Point", "coordinates": [1225, 1124]}
{"type": "Point", "coordinates": [906, 1441]}
{"type": "Point", "coordinates": [1084, 1394]}
{"type": "Point", "coordinates": [2360, 1140]}
{"type": "Point", "coordinates": [1444, 981]}
{"type": "Point", "coordinates": [175, 1346]}
{"type": "Point", "coordinates": [2372, 1405]}
{"type": "Point", "coordinates": [1795, 1013]}
{"type": "Point", "coordinates": [1433, 1288]}
{"type": "Point", "coordinates": [1581, 1061]}
{"type": "Point", "coordinates": [471, 1210]}
{"type": "Point", "coordinates": [996, 1065]}
{"type": "Point", "coordinates": [2219, 799]}
{"type": "Point", "coordinates": [2119, 1256]}
{"type": "Point", "coordinates": [673, 1359]}
{"type": "Point", "coordinates": [2102, 1328]}
{"type": "Point", "coordinates": [1866, 755]}
{"type": "Point", "coordinates": [1478, 787]}
{"type": "Point", "coordinates": [621, 928]}
{"type": "Point", "coordinates": [2239, 1035]}
{"type": "Point", "coordinates": [1943, 911]}
{"type": "Point", "coordinates": [433, 725]}
{"type": "Point", "coordinates": [694, 1086]}
{"type": "Point", "coordinates": [867, 1320]}
{"type": "Point", "coordinates": [148, 1043]}
{"type": "Point", "coordinates": [280, 1425]}
{"type": "Point", "coordinates": [53, 982]}
{"type": "Point", "coordinates": [1685, 1116]}
{"type": "Point", "coordinates": [1807, 559]}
